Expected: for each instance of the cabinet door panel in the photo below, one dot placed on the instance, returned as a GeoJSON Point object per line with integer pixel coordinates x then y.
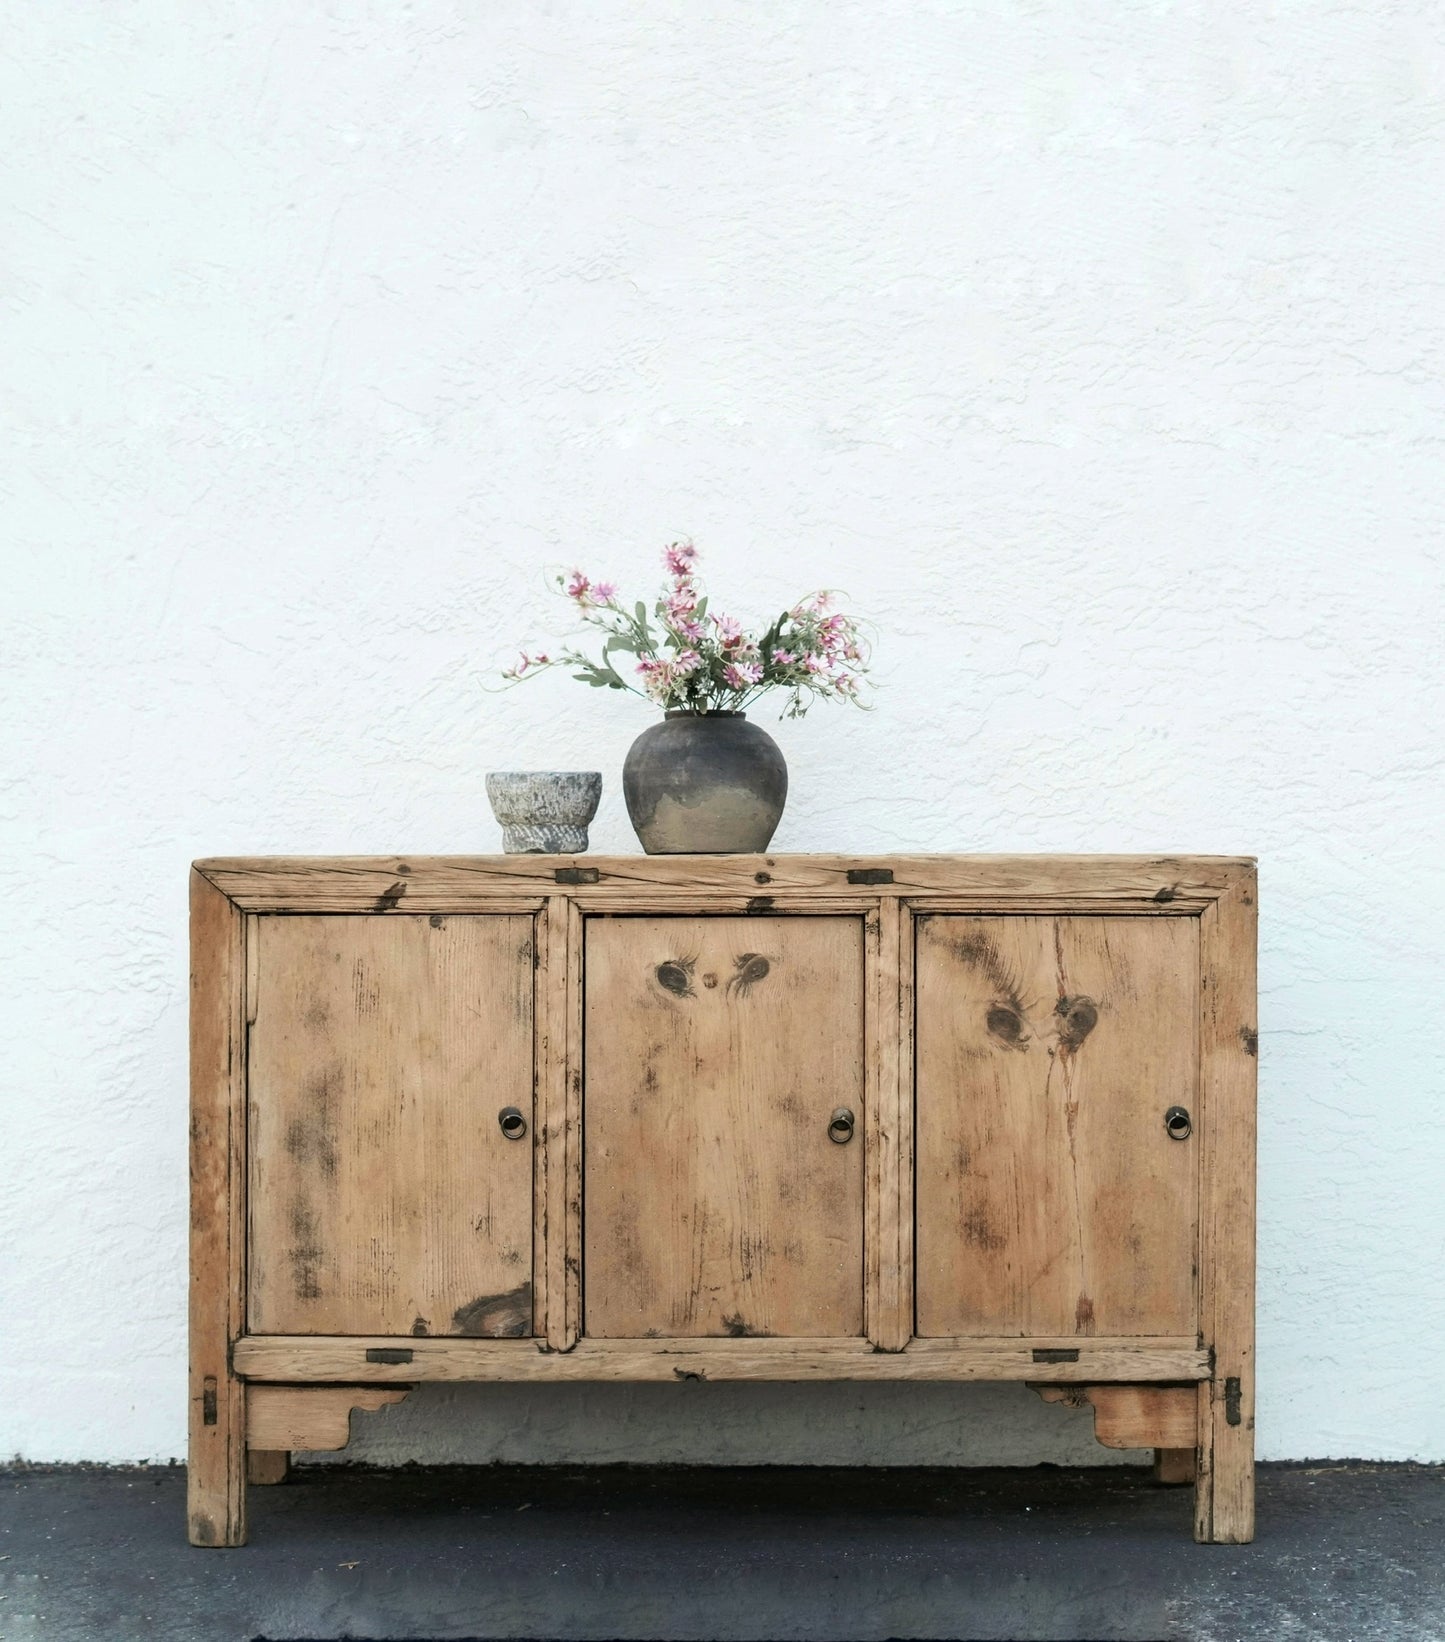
{"type": "Point", "coordinates": [1051, 1199]}
{"type": "Point", "coordinates": [717, 1050]}
{"type": "Point", "coordinates": [384, 1197]}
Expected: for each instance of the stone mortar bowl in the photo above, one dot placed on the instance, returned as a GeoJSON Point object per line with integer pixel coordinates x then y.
{"type": "Point", "coordinates": [544, 812]}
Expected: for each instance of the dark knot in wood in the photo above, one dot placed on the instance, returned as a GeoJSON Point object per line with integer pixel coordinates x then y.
{"type": "Point", "coordinates": [1006, 1024]}
{"type": "Point", "coordinates": [1077, 1017]}
{"type": "Point", "coordinates": [676, 977]}
{"type": "Point", "coordinates": [751, 967]}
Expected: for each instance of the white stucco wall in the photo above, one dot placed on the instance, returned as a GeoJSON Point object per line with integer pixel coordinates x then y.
{"type": "Point", "coordinates": [1094, 349]}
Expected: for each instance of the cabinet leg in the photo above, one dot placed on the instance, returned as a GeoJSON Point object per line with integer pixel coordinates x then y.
{"type": "Point", "coordinates": [1228, 1061]}
{"type": "Point", "coordinates": [267, 1466]}
{"type": "Point", "coordinates": [216, 1457]}
{"type": "Point", "coordinates": [216, 1466]}
{"type": "Point", "coordinates": [1172, 1466]}
{"type": "Point", "coordinates": [1224, 1488]}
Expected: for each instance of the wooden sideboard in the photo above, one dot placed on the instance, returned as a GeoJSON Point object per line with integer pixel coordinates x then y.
{"type": "Point", "coordinates": [774, 1117]}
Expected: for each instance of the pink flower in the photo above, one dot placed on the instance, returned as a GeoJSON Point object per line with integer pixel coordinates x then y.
{"type": "Point", "coordinates": [659, 678]}
{"type": "Point", "coordinates": [834, 633]}
{"type": "Point", "coordinates": [541, 659]}
{"type": "Point", "coordinates": [741, 674]}
{"type": "Point", "coordinates": [679, 606]}
{"type": "Point", "coordinates": [707, 659]}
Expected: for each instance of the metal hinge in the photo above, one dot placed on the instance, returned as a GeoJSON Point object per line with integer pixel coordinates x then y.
{"type": "Point", "coordinates": [1055, 1354]}
{"type": "Point", "coordinates": [870, 875]}
{"type": "Point", "coordinates": [1232, 1395]}
{"type": "Point", "coordinates": [388, 1354]}
{"type": "Point", "coordinates": [575, 875]}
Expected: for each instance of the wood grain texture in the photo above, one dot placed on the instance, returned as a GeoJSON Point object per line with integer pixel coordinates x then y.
{"type": "Point", "coordinates": [385, 1198]}
{"type": "Point", "coordinates": [1229, 1050]}
{"type": "Point", "coordinates": [558, 1206]}
{"type": "Point", "coordinates": [547, 952]}
{"type": "Point", "coordinates": [1166, 884]}
{"type": "Point", "coordinates": [280, 1359]}
{"type": "Point", "coordinates": [290, 1418]}
{"type": "Point", "coordinates": [716, 1051]}
{"type": "Point", "coordinates": [267, 1467]}
{"type": "Point", "coordinates": [906, 1324]}
{"type": "Point", "coordinates": [888, 1247]}
{"type": "Point", "coordinates": [1143, 1416]}
{"type": "Point", "coordinates": [573, 1028]}
{"type": "Point", "coordinates": [1133, 1416]}
{"type": "Point", "coordinates": [1174, 1467]}
{"type": "Point", "coordinates": [1050, 1197]}
{"type": "Point", "coordinates": [216, 1477]}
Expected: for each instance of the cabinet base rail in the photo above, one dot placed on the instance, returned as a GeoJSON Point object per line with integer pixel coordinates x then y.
{"type": "Point", "coordinates": [360, 1360]}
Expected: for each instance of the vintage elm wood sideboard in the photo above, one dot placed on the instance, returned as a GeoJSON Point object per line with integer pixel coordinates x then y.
{"type": "Point", "coordinates": [723, 1117]}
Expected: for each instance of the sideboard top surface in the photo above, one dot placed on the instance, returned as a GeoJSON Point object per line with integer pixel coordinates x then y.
{"type": "Point", "coordinates": [1174, 884]}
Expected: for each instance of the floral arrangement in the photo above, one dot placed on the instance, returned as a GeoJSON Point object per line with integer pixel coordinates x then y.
{"type": "Point", "coordinates": [697, 662]}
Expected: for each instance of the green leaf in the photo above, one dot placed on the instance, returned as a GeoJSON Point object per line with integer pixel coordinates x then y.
{"type": "Point", "coordinates": [645, 641]}
{"type": "Point", "coordinates": [598, 676]}
{"type": "Point", "coordinates": [607, 673]}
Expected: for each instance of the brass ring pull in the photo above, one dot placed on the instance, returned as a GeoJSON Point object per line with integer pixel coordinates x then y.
{"type": "Point", "coordinates": [840, 1126]}
{"type": "Point", "coordinates": [511, 1122]}
{"type": "Point", "coordinates": [1177, 1121]}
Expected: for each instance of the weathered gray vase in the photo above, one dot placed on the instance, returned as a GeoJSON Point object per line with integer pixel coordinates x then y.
{"type": "Point", "coordinates": [544, 812]}
{"type": "Point", "coordinates": [705, 784]}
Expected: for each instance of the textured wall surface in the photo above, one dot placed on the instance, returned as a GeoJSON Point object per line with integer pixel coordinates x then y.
{"type": "Point", "coordinates": [1095, 350]}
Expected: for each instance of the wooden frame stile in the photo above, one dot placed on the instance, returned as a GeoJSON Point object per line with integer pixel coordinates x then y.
{"type": "Point", "coordinates": [543, 944]}
{"type": "Point", "coordinates": [265, 1466]}
{"type": "Point", "coordinates": [889, 1110]}
{"type": "Point", "coordinates": [875, 1262]}
{"type": "Point", "coordinates": [1228, 1061]}
{"type": "Point", "coordinates": [907, 1225]}
{"type": "Point", "coordinates": [216, 1471]}
{"type": "Point", "coordinates": [559, 1073]}
{"type": "Point", "coordinates": [572, 1124]}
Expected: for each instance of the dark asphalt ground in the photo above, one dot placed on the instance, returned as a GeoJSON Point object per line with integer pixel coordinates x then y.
{"type": "Point", "coordinates": [1350, 1551]}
